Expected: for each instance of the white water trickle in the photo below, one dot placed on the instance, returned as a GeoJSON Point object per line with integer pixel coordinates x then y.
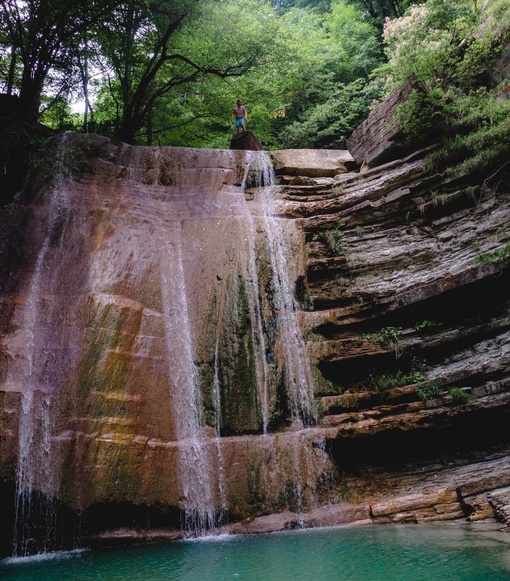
{"type": "Point", "coordinates": [291, 344]}
{"type": "Point", "coordinates": [195, 472]}
{"type": "Point", "coordinates": [257, 330]}
{"type": "Point", "coordinates": [217, 428]}
{"type": "Point", "coordinates": [35, 486]}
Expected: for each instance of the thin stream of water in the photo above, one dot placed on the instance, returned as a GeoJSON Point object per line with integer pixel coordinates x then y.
{"type": "Point", "coordinates": [217, 428]}
{"type": "Point", "coordinates": [257, 328]}
{"type": "Point", "coordinates": [35, 484]}
{"type": "Point", "coordinates": [193, 463]}
{"type": "Point", "coordinates": [295, 364]}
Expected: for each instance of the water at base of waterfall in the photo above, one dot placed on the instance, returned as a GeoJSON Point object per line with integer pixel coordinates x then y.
{"type": "Point", "coordinates": [396, 552]}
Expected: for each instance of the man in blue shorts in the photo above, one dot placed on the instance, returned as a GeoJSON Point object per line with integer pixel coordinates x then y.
{"type": "Point", "coordinates": [239, 116]}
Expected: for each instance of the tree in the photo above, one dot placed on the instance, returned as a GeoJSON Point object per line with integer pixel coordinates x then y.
{"type": "Point", "coordinates": [379, 10]}
{"type": "Point", "coordinates": [145, 57]}
{"type": "Point", "coordinates": [333, 56]}
{"type": "Point", "coordinates": [41, 33]}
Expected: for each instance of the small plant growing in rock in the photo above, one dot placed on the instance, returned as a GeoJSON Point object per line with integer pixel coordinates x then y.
{"type": "Point", "coordinates": [387, 337]}
{"type": "Point", "coordinates": [333, 237]}
{"type": "Point", "coordinates": [425, 325]}
{"type": "Point", "coordinates": [494, 256]}
{"type": "Point", "coordinates": [386, 381]}
{"type": "Point", "coordinates": [338, 189]}
{"type": "Point", "coordinates": [459, 396]}
{"type": "Point", "coordinates": [429, 390]}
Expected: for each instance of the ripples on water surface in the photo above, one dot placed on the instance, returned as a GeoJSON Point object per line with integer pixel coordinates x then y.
{"type": "Point", "coordinates": [383, 553]}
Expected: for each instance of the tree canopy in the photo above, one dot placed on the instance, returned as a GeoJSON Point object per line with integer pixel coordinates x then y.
{"type": "Point", "coordinates": [168, 72]}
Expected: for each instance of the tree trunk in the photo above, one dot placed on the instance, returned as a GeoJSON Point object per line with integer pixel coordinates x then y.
{"type": "Point", "coordinates": [149, 128]}
{"type": "Point", "coordinates": [12, 68]}
{"type": "Point", "coordinates": [30, 96]}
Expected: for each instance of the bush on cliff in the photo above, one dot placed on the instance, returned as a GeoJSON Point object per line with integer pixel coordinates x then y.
{"type": "Point", "coordinates": [448, 49]}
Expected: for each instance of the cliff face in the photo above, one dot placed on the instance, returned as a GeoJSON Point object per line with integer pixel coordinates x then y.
{"type": "Point", "coordinates": [151, 367]}
{"type": "Point", "coordinates": [407, 278]}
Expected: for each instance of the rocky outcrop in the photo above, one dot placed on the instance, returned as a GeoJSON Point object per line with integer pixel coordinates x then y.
{"type": "Point", "coordinates": [402, 281]}
{"type": "Point", "coordinates": [245, 140]}
{"type": "Point", "coordinates": [499, 73]}
{"type": "Point", "coordinates": [408, 325]}
{"type": "Point", "coordinates": [380, 139]}
{"type": "Point", "coordinates": [311, 163]}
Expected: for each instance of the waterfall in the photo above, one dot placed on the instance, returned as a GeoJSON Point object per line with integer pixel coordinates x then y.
{"type": "Point", "coordinates": [194, 469]}
{"type": "Point", "coordinates": [257, 324]}
{"type": "Point", "coordinates": [217, 428]}
{"type": "Point", "coordinates": [175, 285]}
{"type": "Point", "coordinates": [291, 354]}
{"type": "Point", "coordinates": [35, 511]}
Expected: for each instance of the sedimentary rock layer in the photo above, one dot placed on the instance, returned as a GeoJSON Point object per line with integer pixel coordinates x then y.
{"type": "Point", "coordinates": [401, 278]}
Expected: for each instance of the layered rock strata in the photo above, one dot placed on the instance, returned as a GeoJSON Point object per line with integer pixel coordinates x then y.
{"type": "Point", "coordinates": [408, 325]}
{"type": "Point", "coordinates": [401, 277]}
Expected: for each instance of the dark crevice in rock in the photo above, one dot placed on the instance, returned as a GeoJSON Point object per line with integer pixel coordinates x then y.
{"type": "Point", "coordinates": [461, 439]}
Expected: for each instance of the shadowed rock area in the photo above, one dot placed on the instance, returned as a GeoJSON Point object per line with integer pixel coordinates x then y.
{"type": "Point", "coordinates": [245, 140]}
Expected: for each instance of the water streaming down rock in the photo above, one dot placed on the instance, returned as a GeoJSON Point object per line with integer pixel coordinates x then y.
{"type": "Point", "coordinates": [291, 356]}
{"type": "Point", "coordinates": [262, 365]}
{"type": "Point", "coordinates": [194, 469]}
{"type": "Point", "coordinates": [36, 482]}
{"type": "Point", "coordinates": [169, 370]}
{"type": "Point", "coordinates": [217, 428]}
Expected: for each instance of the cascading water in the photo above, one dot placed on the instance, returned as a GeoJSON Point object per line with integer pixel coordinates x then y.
{"type": "Point", "coordinates": [35, 512]}
{"type": "Point", "coordinates": [194, 464]}
{"type": "Point", "coordinates": [291, 355]}
{"type": "Point", "coordinates": [257, 324]}
{"type": "Point", "coordinates": [217, 431]}
{"type": "Point", "coordinates": [188, 362]}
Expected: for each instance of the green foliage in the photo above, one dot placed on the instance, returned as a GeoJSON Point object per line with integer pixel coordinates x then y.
{"type": "Point", "coordinates": [326, 94]}
{"type": "Point", "coordinates": [480, 136]}
{"type": "Point", "coordinates": [333, 239]}
{"type": "Point", "coordinates": [429, 390]}
{"type": "Point", "coordinates": [329, 122]}
{"type": "Point", "coordinates": [386, 381]}
{"type": "Point", "coordinates": [446, 48]}
{"type": "Point", "coordinates": [459, 396]}
{"type": "Point", "coordinates": [425, 325]}
{"type": "Point", "coordinates": [387, 336]}
{"type": "Point", "coordinates": [168, 72]}
{"type": "Point", "coordinates": [501, 253]}
{"type": "Point", "coordinates": [333, 388]}
{"type": "Point", "coordinates": [44, 37]}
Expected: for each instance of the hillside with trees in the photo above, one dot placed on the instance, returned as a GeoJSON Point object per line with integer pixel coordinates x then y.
{"type": "Point", "coordinates": [167, 72]}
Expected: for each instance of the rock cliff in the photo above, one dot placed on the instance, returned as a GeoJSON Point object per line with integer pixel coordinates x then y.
{"type": "Point", "coordinates": [408, 323]}
{"type": "Point", "coordinates": [125, 296]}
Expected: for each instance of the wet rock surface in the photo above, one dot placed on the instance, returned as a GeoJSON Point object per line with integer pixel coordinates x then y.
{"type": "Point", "coordinates": [408, 325]}
{"type": "Point", "coordinates": [402, 280]}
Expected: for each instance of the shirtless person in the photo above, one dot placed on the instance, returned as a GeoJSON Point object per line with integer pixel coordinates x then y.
{"type": "Point", "coordinates": [239, 116]}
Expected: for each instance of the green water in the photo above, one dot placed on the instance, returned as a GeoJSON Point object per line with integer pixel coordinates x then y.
{"type": "Point", "coordinates": [384, 553]}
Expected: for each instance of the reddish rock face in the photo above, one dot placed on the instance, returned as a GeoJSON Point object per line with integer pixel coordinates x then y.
{"type": "Point", "coordinates": [145, 371]}
{"type": "Point", "coordinates": [141, 341]}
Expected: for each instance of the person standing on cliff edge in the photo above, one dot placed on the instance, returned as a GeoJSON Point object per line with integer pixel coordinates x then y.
{"type": "Point", "coordinates": [239, 116]}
